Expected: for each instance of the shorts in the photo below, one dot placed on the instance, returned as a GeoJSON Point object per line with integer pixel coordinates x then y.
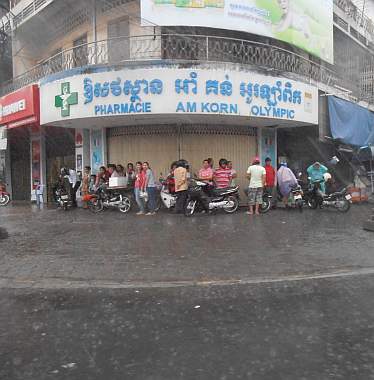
{"type": "Point", "coordinates": [255, 196]}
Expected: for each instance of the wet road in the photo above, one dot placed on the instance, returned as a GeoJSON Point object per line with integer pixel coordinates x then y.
{"type": "Point", "coordinates": [54, 247]}
{"type": "Point", "coordinates": [300, 330]}
{"type": "Point", "coordinates": [282, 296]}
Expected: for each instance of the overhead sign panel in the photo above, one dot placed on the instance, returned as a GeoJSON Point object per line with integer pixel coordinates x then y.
{"type": "Point", "coordinates": [304, 23]}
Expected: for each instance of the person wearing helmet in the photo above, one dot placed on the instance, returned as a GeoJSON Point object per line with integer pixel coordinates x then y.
{"type": "Point", "coordinates": [222, 176]}
{"type": "Point", "coordinates": [316, 172]}
{"type": "Point", "coordinates": [257, 179]}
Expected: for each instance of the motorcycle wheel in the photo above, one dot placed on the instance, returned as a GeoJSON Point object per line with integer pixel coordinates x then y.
{"type": "Point", "coordinates": [125, 205]}
{"type": "Point", "coordinates": [233, 208]}
{"type": "Point", "coordinates": [96, 205]}
{"type": "Point", "coordinates": [312, 203]}
{"type": "Point", "coordinates": [4, 199]}
{"type": "Point", "coordinates": [265, 206]}
{"type": "Point", "coordinates": [65, 206]}
{"type": "Point", "coordinates": [190, 207]}
{"type": "Point", "coordinates": [345, 205]}
{"type": "Point", "coordinates": [299, 205]}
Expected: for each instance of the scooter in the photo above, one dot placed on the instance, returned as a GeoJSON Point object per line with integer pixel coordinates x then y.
{"type": "Point", "coordinates": [4, 196]}
{"type": "Point", "coordinates": [340, 200]}
{"type": "Point", "coordinates": [226, 199]}
{"type": "Point", "coordinates": [105, 198]}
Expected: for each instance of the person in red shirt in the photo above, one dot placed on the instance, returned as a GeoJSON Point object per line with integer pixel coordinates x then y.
{"type": "Point", "coordinates": [222, 176]}
{"type": "Point", "coordinates": [270, 185]}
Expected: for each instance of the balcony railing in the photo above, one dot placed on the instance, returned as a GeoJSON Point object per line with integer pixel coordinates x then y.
{"type": "Point", "coordinates": [177, 48]}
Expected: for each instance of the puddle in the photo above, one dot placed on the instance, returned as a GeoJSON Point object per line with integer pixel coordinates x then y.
{"type": "Point", "coordinates": [3, 233]}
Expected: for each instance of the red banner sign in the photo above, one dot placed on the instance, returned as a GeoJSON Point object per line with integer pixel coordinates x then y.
{"type": "Point", "coordinates": [20, 107]}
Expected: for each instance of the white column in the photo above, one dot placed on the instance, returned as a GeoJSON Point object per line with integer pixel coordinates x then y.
{"type": "Point", "coordinates": [38, 162]}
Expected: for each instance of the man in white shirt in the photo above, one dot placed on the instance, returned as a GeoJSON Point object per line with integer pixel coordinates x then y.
{"type": "Point", "coordinates": [257, 179]}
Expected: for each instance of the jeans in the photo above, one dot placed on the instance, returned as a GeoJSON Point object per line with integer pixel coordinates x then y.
{"type": "Point", "coordinates": [139, 200]}
{"type": "Point", "coordinates": [181, 201]}
{"type": "Point", "coordinates": [151, 199]}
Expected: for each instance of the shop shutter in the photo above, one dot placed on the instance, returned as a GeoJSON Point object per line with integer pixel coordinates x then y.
{"type": "Point", "coordinates": [238, 147]}
{"type": "Point", "coordinates": [159, 148]}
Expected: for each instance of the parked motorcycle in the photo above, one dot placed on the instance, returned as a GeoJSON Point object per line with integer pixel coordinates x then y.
{"type": "Point", "coordinates": [106, 198]}
{"type": "Point", "coordinates": [168, 200]}
{"type": "Point", "coordinates": [4, 196]}
{"type": "Point", "coordinates": [63, 198]}
{"type": "Point", "coordinates": [297, 197]}
{"type": "Point", "coordinates": [340, 200]}
{"type": "Point", "coordinates": [226, 199]}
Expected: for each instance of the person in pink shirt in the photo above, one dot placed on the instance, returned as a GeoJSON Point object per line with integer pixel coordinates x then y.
{"type": "Point", "coordinates": [206, 173]}
{"type": "Point", "coordinates": [222, 176]}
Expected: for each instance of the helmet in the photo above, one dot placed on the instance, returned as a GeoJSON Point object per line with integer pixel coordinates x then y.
{"type": "Point", "coordinates": [327, 176]}
{"type": "Point", "coordinates": [64, 171]}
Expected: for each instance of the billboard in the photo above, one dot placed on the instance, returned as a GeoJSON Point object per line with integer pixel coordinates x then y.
{"type": "Point", "coordinates": [303, 23]}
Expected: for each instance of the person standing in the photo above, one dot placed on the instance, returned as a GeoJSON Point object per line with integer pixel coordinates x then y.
{"type": "Point", "coordinates": [138, 186]}
{"type": "Point", "coordinates": [181, 186]}
{"type": "Point", "coordinates": [150, 188]}
{"type": "Point", "coordinates": [206, 173]}
{"type": "Point", "coordinates": [112, 170]}
{"type": "Point", "coordinates": [233, 173]}
{"type": "Point", "coordinates": [86, 184]}
{"type": "Point", "coordinates": [270, 185]}
{"type": "Point", "coordinates": [257, 179]}
{"type": "Point", "coordinates": [120, 170]}
{"type": "Point", "coordinates": [286, 182]}
{"type": "Point", "coordinates": [222, 175]}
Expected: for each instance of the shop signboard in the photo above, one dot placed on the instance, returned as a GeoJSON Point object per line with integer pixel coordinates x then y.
{"type": "Point", "coordinates": [178, 91]}
{"type": "Point", "coordinates": [20, 108]}
{"type": "Point", "coordinates": [304, 23]}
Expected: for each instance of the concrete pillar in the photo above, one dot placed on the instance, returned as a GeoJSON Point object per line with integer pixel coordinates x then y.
{"type": "Point", "coordinates": [38, 163]}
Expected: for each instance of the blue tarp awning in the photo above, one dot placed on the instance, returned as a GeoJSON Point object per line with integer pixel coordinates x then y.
{"type": "Point", "coordinates": [351, 123]}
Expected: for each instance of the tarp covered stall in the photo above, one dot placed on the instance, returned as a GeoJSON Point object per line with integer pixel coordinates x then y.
{"type": "Point", "coordinates": [350, 123]}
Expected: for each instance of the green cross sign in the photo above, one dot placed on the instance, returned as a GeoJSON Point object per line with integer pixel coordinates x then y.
{"type": "Point", "coordinates": [66, 99]}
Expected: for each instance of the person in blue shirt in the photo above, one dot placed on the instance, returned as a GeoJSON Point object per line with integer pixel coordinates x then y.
{"type": "Point", "coordinates": [316, 173]}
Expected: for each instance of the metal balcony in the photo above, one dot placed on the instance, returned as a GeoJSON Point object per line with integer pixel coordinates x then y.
{"type": "Point", "coordinates": [177, 48]}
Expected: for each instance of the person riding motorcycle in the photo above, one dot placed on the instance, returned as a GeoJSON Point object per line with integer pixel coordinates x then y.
{"type": "Point", "coordinates": [64, 182]}
{"type": "Point", "coordinates": [316, 173]}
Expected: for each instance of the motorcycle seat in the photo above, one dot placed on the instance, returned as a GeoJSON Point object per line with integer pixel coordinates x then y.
{"type": "Point", "coordinates": [224, 190]}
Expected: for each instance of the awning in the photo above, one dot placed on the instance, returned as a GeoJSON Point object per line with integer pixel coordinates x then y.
{"type": "Point", "coordinates": [351, 123]}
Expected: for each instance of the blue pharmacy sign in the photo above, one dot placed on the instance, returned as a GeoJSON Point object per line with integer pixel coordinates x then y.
{"type": "Point", "coordinates": [183, 91]}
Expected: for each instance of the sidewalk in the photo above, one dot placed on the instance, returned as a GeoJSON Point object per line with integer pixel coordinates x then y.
{"type": "Point", "coordinates": [52, 246]}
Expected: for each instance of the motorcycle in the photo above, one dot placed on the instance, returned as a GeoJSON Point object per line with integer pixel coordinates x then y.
{"type": "Point", "coordinates": [4, 196]}
{"type": "Point", "coordinates": [297, 197]}
{"type": "Point", "coordinates": [340, 200]}
{"type": "Point", "coordinates": [106, 198]}
{"type": "Point", "coordinates": [199, 195]}
{"type": "Point", "coordinates": [169, 200]}
{"type": "Point", "coordinates": [63, 199]}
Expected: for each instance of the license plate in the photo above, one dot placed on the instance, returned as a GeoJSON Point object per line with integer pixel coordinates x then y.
{"type": "Point", "coordinates": [348, 197]}
{"type": "Point", "coordinates": [64, 197]}
{"type": "Point", "coordinates": [298, 197]}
